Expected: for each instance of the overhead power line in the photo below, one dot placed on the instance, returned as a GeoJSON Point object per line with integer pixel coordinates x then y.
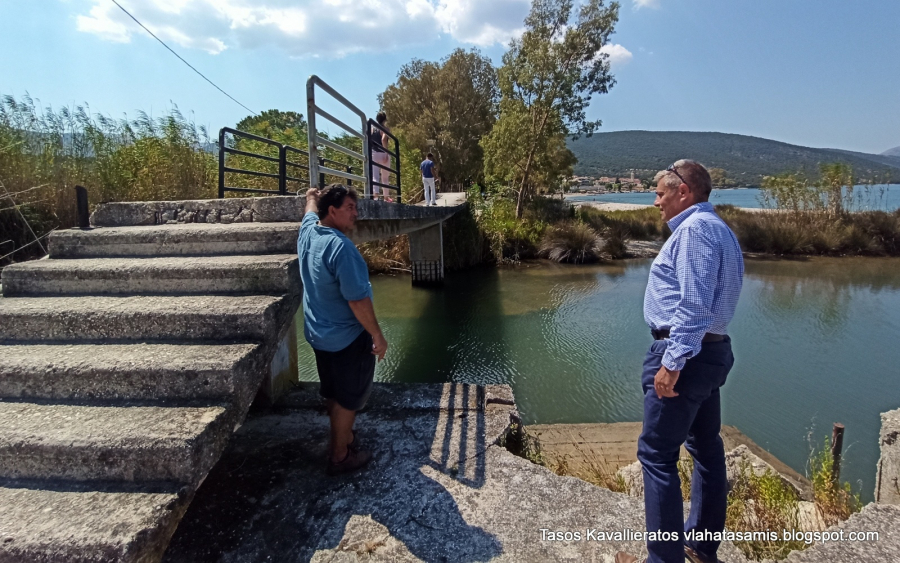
{"type": "Point", "coordinates": [181, 59]}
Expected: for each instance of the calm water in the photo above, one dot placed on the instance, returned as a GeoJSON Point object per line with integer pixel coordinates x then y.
{"type": "Point", "coordinates": [815, 343]}
{"type": "Point", "coordinates": [883, 196]}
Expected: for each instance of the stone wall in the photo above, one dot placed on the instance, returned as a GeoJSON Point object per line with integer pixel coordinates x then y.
{"type": "Point", "coordinates": [274, 209]}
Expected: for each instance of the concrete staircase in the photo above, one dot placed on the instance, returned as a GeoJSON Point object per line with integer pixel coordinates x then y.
{"type": "Point", "coordinates": [127, 359]}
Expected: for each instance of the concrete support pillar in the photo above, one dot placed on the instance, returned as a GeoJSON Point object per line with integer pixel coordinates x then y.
{"type": "Point", "coordinates": [426, 252]}
{"type": "Point", "coordinates": [887, 483]}
{"type": "Point", "coordinates": [283, 372]}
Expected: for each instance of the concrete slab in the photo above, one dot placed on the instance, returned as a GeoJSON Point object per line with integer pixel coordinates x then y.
{"type": "Point", "coordinates": [176, 317]}
{"type": "Point", "coordinates": [884, 547]}
{"type": "Point", "coordinates": [190, 239]}
{"type": "Point", "coordinates": [80, 525]}
{"type": "Point", "coordinates": [90, 443]}
{"type": "Point", "coordinates": [449, 199]}
{"type": "Point", "coordinates": [140, 371]}
{"type": "Point", "coordinates": [195, 275]}
{"type": "Point", "coordinates": [439, 489]}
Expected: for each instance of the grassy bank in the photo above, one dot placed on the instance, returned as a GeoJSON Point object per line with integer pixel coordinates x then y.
{"type": "Point", "coordinates": [777, 232]}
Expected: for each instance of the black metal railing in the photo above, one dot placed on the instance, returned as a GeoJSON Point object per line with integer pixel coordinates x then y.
{"type": "Point", "coordinates": [288, 170]}
{"type": "Point", "coordinates": [376, 166]}
{"type": "Point", "coordinates": [281, 160]}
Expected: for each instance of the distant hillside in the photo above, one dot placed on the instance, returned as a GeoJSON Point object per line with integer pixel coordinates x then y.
{"type": "Point", "coordinates": [892, 152]}
{"type": "Point", "coordinates": [745, 159]}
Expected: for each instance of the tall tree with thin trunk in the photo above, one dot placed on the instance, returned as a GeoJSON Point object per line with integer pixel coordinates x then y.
{"type": "Point", "coordinates": [547, 80]}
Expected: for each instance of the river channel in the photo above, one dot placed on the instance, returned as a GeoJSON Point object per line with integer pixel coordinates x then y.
{"type": "Point", "coordinates": [815, 340]}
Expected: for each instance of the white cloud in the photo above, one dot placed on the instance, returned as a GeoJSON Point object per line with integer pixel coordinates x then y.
{"type": "Point", "coordinates": [318, 28]}
{"type": "Point", "coordinates": [618, 55]}
{"type": "Point", "coordinates": [638, 4]}
{"type": "Point", "coordinates": [482, 22]}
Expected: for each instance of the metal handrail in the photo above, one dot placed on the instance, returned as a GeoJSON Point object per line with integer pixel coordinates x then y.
{"type": "Point", "coordinates": [281, 160]}
{"type": "Point", "coordinates": [317, 169]}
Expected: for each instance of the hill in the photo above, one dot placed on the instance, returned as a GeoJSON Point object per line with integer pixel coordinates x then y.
{"type": "Point", "coordinates": [745, 159]}
{"type": "Point", "coordinates": [892, 152]}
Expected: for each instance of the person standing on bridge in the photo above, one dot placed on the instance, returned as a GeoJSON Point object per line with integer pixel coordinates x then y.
{"type": "Point", "coordinates": [691, 296]}
{"type": "Point", "coordinates": [427, 168]}
{"type": "Point", "coordinates": [338, 317]}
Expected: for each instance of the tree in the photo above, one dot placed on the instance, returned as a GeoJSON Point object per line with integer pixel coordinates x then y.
{"type": "Point", "coordinates": [719, 177]}
{"type": "Point", "coordinates": [286, 127]}
{"type": "Point", "coordinates": [452, 102]}
{"type": "Point", "coordinates": [547, 80]}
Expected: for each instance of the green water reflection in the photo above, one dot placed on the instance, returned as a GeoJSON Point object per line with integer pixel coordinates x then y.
{"type": "Point", "coordinates": [814, 344]}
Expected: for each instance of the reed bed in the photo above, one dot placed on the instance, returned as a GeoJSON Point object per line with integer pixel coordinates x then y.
{"type": "Point", "coordinates": [45, 153]}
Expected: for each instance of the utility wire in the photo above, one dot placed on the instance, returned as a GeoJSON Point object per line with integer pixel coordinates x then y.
{"type": "Point", "coordinates": [27, 224]}
{"type": "Point", "coordinates": [181, 59]}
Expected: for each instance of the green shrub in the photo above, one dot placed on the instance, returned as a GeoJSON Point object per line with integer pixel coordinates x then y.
{"type": "Point", "coordinates": [509, 239]}
{"type": "Point", "coordinates": [835, 501]}
{"type": "Point", "coordinates": [573, 242]}
{"type": "Point", "coordinates": [760, 503]}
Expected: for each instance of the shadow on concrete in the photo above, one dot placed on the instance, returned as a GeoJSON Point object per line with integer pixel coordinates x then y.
{"type": "Point", "coordinates": [269, 497]}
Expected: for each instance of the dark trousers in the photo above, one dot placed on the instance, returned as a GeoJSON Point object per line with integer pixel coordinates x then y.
{"type": "Point", "coordinates": [693, 418]}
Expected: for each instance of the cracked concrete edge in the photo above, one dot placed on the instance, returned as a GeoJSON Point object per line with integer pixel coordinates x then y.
{"type": "Point", "coordinates": [887, 480]}
{"type": "Point", "coordinates": [459, 397]}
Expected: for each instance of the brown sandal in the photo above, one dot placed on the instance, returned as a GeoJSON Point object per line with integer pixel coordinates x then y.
{"type": "Point", "coordinates": [355, 459]}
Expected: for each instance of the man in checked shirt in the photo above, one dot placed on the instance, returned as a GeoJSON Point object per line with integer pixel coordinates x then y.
{"type": "Point", "coordinates": [690, 299]}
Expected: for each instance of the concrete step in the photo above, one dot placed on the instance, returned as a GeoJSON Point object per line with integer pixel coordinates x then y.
{"type": "Point", "coordinates": [104, 318]}
{"type": "Point", "coordinates": [195, 275]}
{"type": "Point", "coordinates": [138, 371]}
{"type": "Point", "coordinates": [191, 239]}
{"type": "Point", "coordinates": [111, 443]}
{"type": "Point", "coordinates": [43, 525]}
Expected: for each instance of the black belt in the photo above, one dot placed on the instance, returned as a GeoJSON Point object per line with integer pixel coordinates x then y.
{"type": "Point", "coordinates": [663, 333]}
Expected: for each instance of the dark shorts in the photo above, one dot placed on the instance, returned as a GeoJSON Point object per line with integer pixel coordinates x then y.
{"type": "Point", "coordinates": [346, 375]}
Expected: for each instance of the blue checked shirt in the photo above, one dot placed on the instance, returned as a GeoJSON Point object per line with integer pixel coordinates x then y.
{"type": "Point", "coordinates": [694, 283]}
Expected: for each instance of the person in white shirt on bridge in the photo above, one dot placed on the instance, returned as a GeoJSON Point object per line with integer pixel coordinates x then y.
{"type": "Point", "coordinates": [427, 168]}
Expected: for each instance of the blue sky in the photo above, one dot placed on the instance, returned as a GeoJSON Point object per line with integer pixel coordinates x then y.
{"type": "Point", "coordinates": [819, 73]}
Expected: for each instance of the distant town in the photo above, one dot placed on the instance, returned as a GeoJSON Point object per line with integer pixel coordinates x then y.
{"type": "Point", "coordinates": [608, 184]}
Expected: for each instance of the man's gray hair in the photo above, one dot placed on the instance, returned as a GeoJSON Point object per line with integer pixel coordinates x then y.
{"type": "Point", "coordinates": [693, 174]}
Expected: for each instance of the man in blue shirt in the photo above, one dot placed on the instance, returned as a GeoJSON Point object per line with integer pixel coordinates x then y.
{"type": "Point", "coordinates": [427, 168]}
{"type": "Point", "coordinates": [691, 297]}
{"type": "Point", "coordinates": [338, 317]}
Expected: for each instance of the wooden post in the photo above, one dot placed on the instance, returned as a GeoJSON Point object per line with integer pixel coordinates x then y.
{"type": "Point", "coordinates": [82, 211]}
{"type": "Point", "coordinates": [837, 445]}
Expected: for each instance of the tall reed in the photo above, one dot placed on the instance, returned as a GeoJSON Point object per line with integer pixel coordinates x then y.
{"type": "Point", "coordinates": [45, 153]}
